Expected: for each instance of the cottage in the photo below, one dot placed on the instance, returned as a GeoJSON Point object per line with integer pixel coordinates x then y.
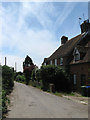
{"type": "Point", "coordinates": [74, 54]}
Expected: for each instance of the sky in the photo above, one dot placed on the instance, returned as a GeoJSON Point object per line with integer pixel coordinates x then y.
{"type": "Point", "coordinates": [36, 28]}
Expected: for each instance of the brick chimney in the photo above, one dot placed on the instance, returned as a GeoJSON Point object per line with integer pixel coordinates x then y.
{"type": "Point", "coordinates": [64, 39]}
{"type": "Point", "coordinates": [85, 27]}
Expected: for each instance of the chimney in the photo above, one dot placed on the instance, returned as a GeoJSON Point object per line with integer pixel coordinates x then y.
{"type": "Point", "coordinates": [64, 39]}
{"type": "Point", "coordinates": [85, 27]}
{"type": "Point", "coordinates": [5, 60]}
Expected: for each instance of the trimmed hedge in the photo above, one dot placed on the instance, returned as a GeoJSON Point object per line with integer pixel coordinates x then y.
{"type": "Point", "coordinates": [51, 74]}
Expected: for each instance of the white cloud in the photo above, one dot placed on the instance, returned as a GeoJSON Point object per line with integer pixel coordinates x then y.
{"type": "Point", "coordinates": [64, 14]}
{"type": "Point", "coordinates": [16, 35]}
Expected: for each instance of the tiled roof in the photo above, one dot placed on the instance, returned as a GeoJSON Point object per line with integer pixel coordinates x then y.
{"type": "Point", "coordinates": [87, 56]}
{"type": "Point", "coordinates": [65, 49]}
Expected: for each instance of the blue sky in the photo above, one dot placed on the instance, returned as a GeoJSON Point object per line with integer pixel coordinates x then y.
{"type": "Point", "coordinates": [35, 28]}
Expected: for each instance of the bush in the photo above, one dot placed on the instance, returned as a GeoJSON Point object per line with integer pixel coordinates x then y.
{"type": "Point", "coordinates": [47, 75]}
{"type": "Point", "coordinates": [61, 80]}
{"type": "Point", "coordinates": [55, 75]}
{"type": "Point", "coordinates": [38, 75]}
{"type": "Point", "coordinates": [33, 75]}
{"type": "Point", "coordinates": [20, 78]}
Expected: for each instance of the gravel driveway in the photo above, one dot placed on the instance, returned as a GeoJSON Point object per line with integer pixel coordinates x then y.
{"type": "Point", "coordinates": [30, 102]}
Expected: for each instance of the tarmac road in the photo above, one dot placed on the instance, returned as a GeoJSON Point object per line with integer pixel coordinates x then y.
{"type": "Point", "coordinates": [30, 102]}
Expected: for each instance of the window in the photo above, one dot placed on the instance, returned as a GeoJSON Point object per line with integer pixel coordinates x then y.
{"type": "Point", "coordinates": [51, 62]}
{"type": "Point", "coordinates": [56, 62]}
{"type": "Point", "coordinates": [74, 78]}
{"type": "Point", "coordinates": [61, 61]}
{"type": "Point", "coordinates": [45, 64]}
{"type": "Point", "coordinates": [76, 54]}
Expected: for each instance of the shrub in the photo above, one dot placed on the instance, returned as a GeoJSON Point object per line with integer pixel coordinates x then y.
{"type": "Point", "coordinates": [20, 78]}
{"type": "Point", "coordinates": [56, 75]}
{"type": "Point", "coordinates": [38, 75]}
{"type": "Point", "coordinates": [33, 75]}
{"type": "Point", "coordinates": [47, 75]}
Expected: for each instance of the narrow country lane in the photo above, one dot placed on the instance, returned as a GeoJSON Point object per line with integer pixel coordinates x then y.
{"type": "Point", "coordinates": [30, 102]}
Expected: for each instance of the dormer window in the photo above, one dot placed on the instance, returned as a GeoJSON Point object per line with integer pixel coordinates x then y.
{"type": "Point", "coordinates": [44, 64]}
{"type": "Point", "coordinates": [61, 61]}
{"type": "Point", "coordinates": [76, 54]}
{"type": "Point", "coordinates": [51, 62]}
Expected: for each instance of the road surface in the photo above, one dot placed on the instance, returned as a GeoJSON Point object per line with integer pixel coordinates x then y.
{"type": "Point", "coordinates": [30, 102]}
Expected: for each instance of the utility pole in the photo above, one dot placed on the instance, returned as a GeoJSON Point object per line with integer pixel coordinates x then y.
{"type": "Point", "coordinates": [15, 66]}
{"type": "Point", "coordinates": [5, 61]}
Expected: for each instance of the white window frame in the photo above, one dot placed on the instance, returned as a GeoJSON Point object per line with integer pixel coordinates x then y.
{"type": "Point", "coordinates": [76, 54]}
{"type": "Point", "coordinates": [45, 64]}
{"type": "Point", "coordinates": [51, 62]}
{"type": "Point", "coordinates": [61, 61]}
{"type": "Point", "coordinates": [56, 62]}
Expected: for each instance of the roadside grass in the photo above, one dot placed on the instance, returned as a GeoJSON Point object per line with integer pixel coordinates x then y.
{"type": "Point", "coordinates": [34, 84]}
{"type": "Point", "coordinates": [61, 94]}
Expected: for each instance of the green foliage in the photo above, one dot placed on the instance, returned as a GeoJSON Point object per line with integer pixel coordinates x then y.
{"type": "Point", "coordinates": [4, 101]}
{"type": "Point", "coordinates": [7, 78]}
{"type": "Point", "coordinates": [7, 86]}
{"type": "Point", "coordinates": [20, 78]}
{"type": "Point", "coordinates": [56, 75]}
{"type": "Point", "coordinates": [38, 75]}
{"type": "Point", "coordinates": [33, 75]}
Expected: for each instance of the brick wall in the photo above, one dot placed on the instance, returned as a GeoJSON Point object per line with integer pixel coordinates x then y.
{"type": "Point", "coordinates": [80, 70]}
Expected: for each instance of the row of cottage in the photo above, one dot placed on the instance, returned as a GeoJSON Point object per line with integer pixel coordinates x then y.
{"type": "Point", "coordinates": [74, 55]}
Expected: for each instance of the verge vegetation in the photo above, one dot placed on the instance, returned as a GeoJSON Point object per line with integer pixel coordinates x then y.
{"type": "Point", "coordinates": [7, 86]}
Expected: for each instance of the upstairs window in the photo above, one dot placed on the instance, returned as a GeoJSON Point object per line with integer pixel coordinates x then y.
{"type": "Point", "coordinates": [56, 62]}
{"type": "Point", "coordinates": [44, 64]}
{"type": "Point", "coordinates": [51, 62]}
{"type": "Point", "coordinates": [61, 61]}
{"type": "Point", "coordinates": [76, 54]}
